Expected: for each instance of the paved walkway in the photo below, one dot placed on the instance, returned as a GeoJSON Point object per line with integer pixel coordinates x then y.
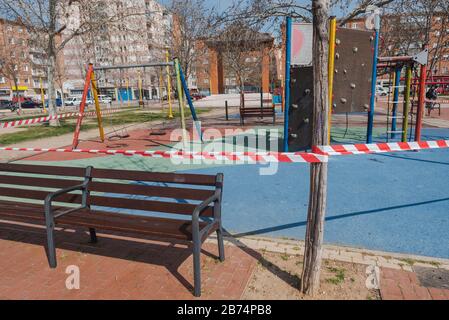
{"type": "Point", "coordinates": [115, 268]}
{"type": "Point", "coordinates": [120, 267]}
{"type": "Point", "coordinates": [404, 285]}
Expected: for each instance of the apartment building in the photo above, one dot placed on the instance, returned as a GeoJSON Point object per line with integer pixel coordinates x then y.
{"type": "Point", "coordinates": [137, 37]}
{"type": "Point", "coordinates": [22, 60]}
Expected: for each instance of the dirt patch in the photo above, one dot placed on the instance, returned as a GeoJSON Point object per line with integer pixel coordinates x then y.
{"type": "Point", "coordinates": [277, 276]}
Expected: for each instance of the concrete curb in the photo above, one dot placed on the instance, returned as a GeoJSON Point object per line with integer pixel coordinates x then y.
{"type": "Point", "coordinates": [398, 261]}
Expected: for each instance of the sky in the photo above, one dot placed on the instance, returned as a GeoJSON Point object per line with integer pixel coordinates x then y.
{"type": "Point", "coordinates": [223, 4]}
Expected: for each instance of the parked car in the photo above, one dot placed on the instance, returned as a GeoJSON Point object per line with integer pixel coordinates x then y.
{"type": "Point", "coordinates": [58, 102]}
{"type": "Point", "coordinates": [104, 99]}
{"type": "Point", "coordinates": [5, 104]}
{"type": "Point", "coordinates": [27, 104]}
{"type": "Point", "coordinates": [196, 94]}
{"type": "Point", "coordinates": [76, 101]}
{"type": "Point", "coordinates": [381, 91]}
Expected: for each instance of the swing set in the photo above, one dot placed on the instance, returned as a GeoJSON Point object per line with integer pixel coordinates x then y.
{"type": "Point", "coordinates": [182, 89]}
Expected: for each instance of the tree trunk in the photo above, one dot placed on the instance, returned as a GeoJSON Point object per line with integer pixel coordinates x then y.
{"type": "Point", "coordinates": [318, 172]}
{"type": "Point", "coordinates": [19, 103]}
{"type": "Point", "coordinates": [51, 69]}
{"type": "Point", "coordinates": [51, 88]}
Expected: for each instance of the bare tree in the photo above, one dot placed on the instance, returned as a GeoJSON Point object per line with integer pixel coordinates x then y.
{"type": "Point", "coordinates": [310, 280]}
{"type": "Point", "coordinates": [15, 62]}
{"type": "Point", "coordinates": [259, 11]}
{"type": "Point", "coordinates": [420, 22]}
{"type": "Point", "coordinates": [59, 21]}
{"type": "Point", "coordinates": [191, 23]}
{"type": "Point", "coordinates": [240, 47]}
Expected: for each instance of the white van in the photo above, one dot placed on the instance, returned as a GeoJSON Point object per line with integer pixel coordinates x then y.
{"type": "Point", "coordinates": [76, 101]}
{"type": "Point", "coordinates": [104, 99]}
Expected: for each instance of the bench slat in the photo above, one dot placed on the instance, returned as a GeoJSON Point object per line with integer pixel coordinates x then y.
{"type": "Point", "coordinates": [38, 182]}
{"type": "Point", "coordinates": [193, 179]}
{"type": "Point", "coordinates": [166, 192]}
{"type": "Point", "coordinates": [48, 170]}
{"type": "Point", "coordinates": [174, 228]}
{"type": "Point", "coordinates": [147, 205]}
{"type": "Point", "coordinates": [38, 195]}
{"type": "Point", "coordinates": [112, 202]}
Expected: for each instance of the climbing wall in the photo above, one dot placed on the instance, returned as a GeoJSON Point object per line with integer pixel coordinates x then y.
{"type": "Point", "coordinates": [353, 68]}
{"type": "Point", "coordinates": [352, 84]}
{"type": "Point", "coordinates": [300, 111]}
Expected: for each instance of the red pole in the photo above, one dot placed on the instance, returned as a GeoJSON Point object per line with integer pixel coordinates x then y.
{"type": "Point", "coordinates": [421, 101]}
{"type": "Point", "coordinates": [90, 69]}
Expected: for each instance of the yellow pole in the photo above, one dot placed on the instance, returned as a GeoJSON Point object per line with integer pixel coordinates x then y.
{"type": "Point", "coordinates": [140, 91]}
{"type": "Point", "coordinates": [161, 80]}
{"type": "Point", "coordinates": [408, 84]}
{"type": "Point", "coordinates": [332, 38]}
{"type": "Point", "coordinates": [170, 110]}
{"type": "Point", "coordinates": [181, 108]}
{"type": "Point", "coordinates": [127, 92]}
{"type": "Point", "coordinates": [97, 106]}
{"type": "Point", "coordinates": [42, 95]}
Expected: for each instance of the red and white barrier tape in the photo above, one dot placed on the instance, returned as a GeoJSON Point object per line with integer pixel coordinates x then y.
{"type": "Point", "coordinates": [24, 122]}
{"type": "Point", "coordinates": [336, 150]}
{"type": "Point", "coordinates": [411, 100]}
{"type": "Point", "coordinates": [251, 157]}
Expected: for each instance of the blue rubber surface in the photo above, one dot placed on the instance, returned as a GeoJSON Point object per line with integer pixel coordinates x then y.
{"type": "Point", "coordinates": [395, 202]}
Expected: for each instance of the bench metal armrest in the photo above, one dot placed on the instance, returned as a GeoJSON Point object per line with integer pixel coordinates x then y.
{"type": "Point", "coordinates": [83, 187]}
{"type": "Point", "coordinates": [203, 205]}
{"type": "Point", "coordinates": [52, 196]}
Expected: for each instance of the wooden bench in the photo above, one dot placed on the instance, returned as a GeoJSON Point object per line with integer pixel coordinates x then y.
{"type": "Point", "coordinates": [266, 110]}
{"type": "Point", "coordinates": [96, 199]}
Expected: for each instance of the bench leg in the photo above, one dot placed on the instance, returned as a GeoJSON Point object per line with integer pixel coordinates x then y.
{"type": "Point", "coordinates": [197, 269]}
{"type": "Point", "coordinates": [93, 235]}
{"type": "Point", "coordinates": [221, 251]}
{"type": "Point", "coordinates": [51, 244]}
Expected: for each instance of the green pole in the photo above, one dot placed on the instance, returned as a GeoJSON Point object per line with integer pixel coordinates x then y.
{"type": "Point", "coordinates": [408, 83]}
{"type": "Point", "coordinates": [180, 96]}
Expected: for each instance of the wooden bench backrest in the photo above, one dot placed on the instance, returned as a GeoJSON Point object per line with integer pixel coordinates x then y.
{"type": "Point", "coordinates": [16, 180]}
{"type": "Point", "coordinates": [120, 189]}
{"type": "Point", "coordinates": [113, 188]}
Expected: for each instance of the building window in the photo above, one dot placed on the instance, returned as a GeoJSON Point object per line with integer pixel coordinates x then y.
{"type": "Point", "coordinates": [354, 26]}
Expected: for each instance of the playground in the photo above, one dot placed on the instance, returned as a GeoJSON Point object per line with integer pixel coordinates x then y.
{"type": "Point", "coordinates": [387, 189]}
{"type": "Point", "coordinates": [372, 198]}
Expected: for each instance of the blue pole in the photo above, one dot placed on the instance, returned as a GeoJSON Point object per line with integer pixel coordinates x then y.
{"type": "Point", "coordinates": [189, 101]}
{"type": "Point", "coordinates": [397, 83]}
{"type": "Point", "coordinates": [369, 135]}
{"type": "Point", "coordinates": [288, 38]}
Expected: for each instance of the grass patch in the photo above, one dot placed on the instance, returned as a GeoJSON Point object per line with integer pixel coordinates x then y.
{"type": "Point", "coordinates": [128, 116]}
{"type": "Point", "coordinates": [285, 256]}
{"type": "Point", "coordinates": [44, 131]}
{"type": "Point", "coordinates": [408, 261]}
{"type": "Point", "coordinates": [339, 275]}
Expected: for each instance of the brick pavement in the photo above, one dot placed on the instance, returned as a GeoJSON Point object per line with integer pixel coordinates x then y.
{"type": "Point", "coordinates": [404, 285]}
{"type": "Point", "coordinates": [115, 268]}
